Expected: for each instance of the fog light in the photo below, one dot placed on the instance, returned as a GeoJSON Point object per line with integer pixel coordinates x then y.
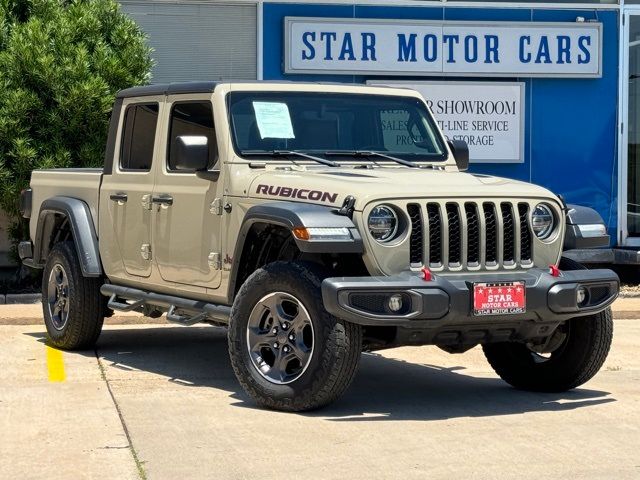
{"type": "Point", "coordinates": [395, 303]}
{"type": "Point", "coordinates": [581, 296]}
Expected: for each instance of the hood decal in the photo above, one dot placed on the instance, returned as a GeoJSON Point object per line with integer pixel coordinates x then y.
{"type": "Point", "coordinates": [301, 193]}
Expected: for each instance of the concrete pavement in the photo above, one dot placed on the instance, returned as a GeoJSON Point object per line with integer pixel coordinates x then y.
{"type": "Point", "coordinates": [161, 401]}
{"type": "Point", "coordinates": [68, 429]}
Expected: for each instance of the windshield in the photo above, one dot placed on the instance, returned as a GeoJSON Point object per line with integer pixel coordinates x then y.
{"type": "Point", "coordinates": [331, 123]}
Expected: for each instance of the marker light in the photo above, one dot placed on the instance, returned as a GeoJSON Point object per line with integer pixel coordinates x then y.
{"type": "Point", "coordinates": [322, 234]}
{"type": "Point", "coordinates": [592, 230]}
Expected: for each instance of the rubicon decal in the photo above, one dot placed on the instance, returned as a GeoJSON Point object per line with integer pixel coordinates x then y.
{"type": "Point", "coordinates": [301, 193]}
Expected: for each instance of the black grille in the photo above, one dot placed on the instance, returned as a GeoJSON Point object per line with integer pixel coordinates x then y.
{"type": "Point", "coordinates": [416, 246]}
{"type": "Point", "coordinates": [598, 294]}
{"type": "Point", "coordinates": [525, 233]}
{"type": "Point", "coordinates": [492, 232]}
{"type": "Point", "coordinates": [435, 233]}
{"type": "Point", "coordinates": [505, 224]}
{"type": "Point", "coordinates": [368, 302]}
{"type": "Point", "coordinates": [455, 240]}
{"type": "Point", "coordinates": [377, 303]}
{"type": "Point", "coordinates": [509, 233]}
{"type": "Point", "coordinates": [473, 233]}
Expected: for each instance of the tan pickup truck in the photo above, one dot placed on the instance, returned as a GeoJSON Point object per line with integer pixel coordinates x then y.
{"type": "Point", "coordinates": [317, 222]}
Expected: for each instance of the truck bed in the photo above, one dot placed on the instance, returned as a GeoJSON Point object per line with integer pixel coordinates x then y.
{"type": "Point", "coordinates": [81, 183]}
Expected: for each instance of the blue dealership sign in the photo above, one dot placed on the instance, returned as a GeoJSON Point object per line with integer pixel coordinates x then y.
{"type": "Point", "coordinates": [429, 48]}
{"type": "Point", "coordinates": [570, 132]}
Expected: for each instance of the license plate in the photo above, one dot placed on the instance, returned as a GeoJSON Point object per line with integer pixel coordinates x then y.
{"type": "Point", "coordinates": [504, 298]}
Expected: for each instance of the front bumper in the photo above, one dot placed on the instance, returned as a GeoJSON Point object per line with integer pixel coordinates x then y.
{"type": "Point", "coordinates": [445, 303]}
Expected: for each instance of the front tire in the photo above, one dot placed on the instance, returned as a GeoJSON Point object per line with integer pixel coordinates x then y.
{"type": "Point", "coordinates": [286, 350]}
{"type": "Point", "coordinates": [574, 360]}
{"type": "Point", "coordinates": [72, 304]}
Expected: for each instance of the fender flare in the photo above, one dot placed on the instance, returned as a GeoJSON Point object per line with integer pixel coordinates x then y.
{"type": "Point", "coordinates": [294, 214]}
{"type": "Point", "coordinates": [577, 215]}
{"type": "Point", "coordinates": [84, 235]}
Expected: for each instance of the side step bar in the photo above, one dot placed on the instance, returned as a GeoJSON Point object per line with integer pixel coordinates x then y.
{"type": "Point", "coordinates": [197, 310]}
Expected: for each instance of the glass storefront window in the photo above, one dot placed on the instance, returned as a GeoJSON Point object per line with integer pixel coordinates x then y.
{"type": "Point", "coordinates": [633, 123]}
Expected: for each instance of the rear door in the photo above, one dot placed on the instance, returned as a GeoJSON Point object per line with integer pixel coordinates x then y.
{"type": "Point", "coordinates": [186, 237]}
{"type": "Point", "coordinates": [126, 193]}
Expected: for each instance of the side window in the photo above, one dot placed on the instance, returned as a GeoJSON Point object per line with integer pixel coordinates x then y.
{"type": "Point", "coordinates": [138, 136]}
{"type": "Point", "coordinates": [191, 118]}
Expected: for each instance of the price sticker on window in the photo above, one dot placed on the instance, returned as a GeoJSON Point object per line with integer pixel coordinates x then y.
{"type": "Point", "coordinates": [273, 119]}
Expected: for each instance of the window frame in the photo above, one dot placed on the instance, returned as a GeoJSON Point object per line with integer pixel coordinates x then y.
{"type": "Point", "coordinates": [439, 136]}
{"type": "Point", "coordinates": [167, 157]}
{"type": "Point", "coordinates": [126, 109]}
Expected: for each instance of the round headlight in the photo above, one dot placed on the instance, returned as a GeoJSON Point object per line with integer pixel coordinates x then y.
{"type": "Point", "coordinates": [543, 221]}
{"type": "Point", "coordinates": [383, 223]}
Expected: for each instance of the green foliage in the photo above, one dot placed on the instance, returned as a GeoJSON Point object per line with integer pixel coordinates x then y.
{"type": "Point", "coordinates": [61, 63]}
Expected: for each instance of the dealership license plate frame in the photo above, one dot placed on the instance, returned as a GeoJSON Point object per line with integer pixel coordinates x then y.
{"type": "Point", "coordinates": [517, 290]}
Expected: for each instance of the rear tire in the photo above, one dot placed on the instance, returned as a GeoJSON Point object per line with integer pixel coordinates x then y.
{"type": "Point", "coordinates": [575, 361]}
{"type": "Point", "coordinates": [72, 304]}
{"type": "Point", "coordinates": [286, 350]}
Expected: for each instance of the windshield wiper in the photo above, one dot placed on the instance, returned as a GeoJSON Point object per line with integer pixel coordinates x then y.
{"type": "Point", "coordinates": [284, 153]}
{"type": "Point", "coordinates": [367, 153]}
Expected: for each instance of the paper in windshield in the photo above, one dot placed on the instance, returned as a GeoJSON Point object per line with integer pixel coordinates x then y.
{"type": "Point", "coordinates": [273, 120]}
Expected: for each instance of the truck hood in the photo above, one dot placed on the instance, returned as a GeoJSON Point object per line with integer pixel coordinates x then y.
{"type": "Point", "coordinates": [330, 186]}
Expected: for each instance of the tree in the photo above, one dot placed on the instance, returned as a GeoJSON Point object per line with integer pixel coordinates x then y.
{"type": "Point", "coordinates": [61, 63]}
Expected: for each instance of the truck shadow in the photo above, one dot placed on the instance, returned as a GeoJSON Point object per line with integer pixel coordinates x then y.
{"type": "Point", "coordinates": [384, 388]}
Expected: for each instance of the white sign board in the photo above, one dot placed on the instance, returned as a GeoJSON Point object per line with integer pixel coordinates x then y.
{"type": "Point", "coordinates": [488, 116]}
{"type": "Point", "coordinates": [416, 47]}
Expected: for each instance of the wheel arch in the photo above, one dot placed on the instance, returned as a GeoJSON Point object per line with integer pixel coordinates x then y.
{"type": "Point", "coordinates": [278, 219]}
{"type": "Point", "coordinates": [66, 218]}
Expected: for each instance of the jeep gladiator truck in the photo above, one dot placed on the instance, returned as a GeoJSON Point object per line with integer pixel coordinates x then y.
{"type": "Point", "coordinates": [315, 221]}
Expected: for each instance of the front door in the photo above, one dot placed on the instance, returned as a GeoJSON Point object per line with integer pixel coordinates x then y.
{"type": "Point", "coordinates": [126, 193]}
{"type": "Point", "coordinates": [187, 229]}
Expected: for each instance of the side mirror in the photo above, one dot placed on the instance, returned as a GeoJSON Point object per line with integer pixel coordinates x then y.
{"type": "Point", "coordinates": [192, 153]}
{"type": "Point", "coordinates": [460, 151]}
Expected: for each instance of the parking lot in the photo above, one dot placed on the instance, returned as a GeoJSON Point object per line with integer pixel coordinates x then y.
{"type": "Point", "coordinates": [160, 401]}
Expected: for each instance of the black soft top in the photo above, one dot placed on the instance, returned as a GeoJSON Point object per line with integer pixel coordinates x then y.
{"type": "Point", "coordinates": [168, 89]}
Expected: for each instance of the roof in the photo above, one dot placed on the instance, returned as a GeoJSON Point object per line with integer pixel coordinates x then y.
{"type": "Point", "coordinates": [209, 87]}
{"type": "Point", "coordinates": [167, 89]}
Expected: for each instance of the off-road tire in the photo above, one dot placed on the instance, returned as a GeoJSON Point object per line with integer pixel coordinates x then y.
{"type": "Point", "coordinates": [337, 344]}
{"type": "Point", "coordinates": [577, 360]}
{"type": "Point", "coordinates": [86, 304]}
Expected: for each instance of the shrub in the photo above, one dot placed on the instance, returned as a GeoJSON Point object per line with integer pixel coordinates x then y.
{"type": "Point", "coordinates": [61, 63]}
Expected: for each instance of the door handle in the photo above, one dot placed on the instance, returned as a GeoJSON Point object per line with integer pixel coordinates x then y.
{"type": "Point", "coordinates": [162, 199]}
{"type": "Point", "coordinates": [118, 197]}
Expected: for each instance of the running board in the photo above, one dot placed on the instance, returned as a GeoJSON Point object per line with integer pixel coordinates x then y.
{"type": "Point", "coordinates": [197, 310]}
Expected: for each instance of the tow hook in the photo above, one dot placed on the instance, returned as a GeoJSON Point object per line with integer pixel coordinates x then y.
{"type": "Point", "coordinates": [427, 275]}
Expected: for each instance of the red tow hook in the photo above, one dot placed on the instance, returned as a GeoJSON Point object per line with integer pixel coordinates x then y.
{"type": "Point", "coordinates": [554, 271]}
{"type": "Point", "coordinates": [427, 276]}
